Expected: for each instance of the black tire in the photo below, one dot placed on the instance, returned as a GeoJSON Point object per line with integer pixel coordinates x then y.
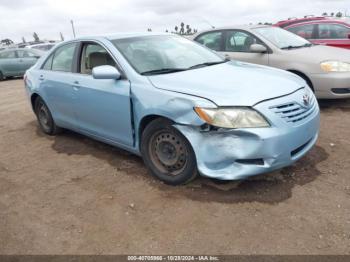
{"type": "Point", "coordinates": [1, 76]}
{"type": "Point", "coordinates": [167, 153]}
{"type": "Point", "coordinates": [43, 114]}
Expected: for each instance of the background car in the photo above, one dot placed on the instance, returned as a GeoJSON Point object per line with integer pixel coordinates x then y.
{"type": "Point", "coordinates": [325, 69]}
{"type": "Point", "coordinates": [320, 30]}
{"type": "Point", "coordinates": [181, 106]}
{"type": "Point", "coordinates": [43, 47]}
{"type": "Point", "coordinates": [15, 62]}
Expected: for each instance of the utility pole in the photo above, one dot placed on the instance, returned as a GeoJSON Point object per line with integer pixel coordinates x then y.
{"type": "Point", "coordinates": [71, 21]}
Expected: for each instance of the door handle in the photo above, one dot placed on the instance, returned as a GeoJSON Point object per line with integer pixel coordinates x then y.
{"type": "Point", "coordinates": [41, 78]}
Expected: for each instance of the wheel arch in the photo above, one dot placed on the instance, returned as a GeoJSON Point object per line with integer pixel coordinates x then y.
{"type": "Point", "coordinates": [304, 76]}
{"type": "Point", "coordinates": [145, 121]}
{"type": "Point", "coordinates": [33, 98]}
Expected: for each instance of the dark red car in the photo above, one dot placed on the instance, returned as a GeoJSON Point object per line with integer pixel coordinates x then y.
{"type": "Point", "coordinates": [320, 30]}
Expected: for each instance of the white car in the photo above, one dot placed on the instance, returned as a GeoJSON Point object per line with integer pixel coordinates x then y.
{"type": "Point", "coordinates": [43, 47]}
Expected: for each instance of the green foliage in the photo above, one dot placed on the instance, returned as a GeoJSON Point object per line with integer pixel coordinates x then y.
{"type": "Point", "coordinates": [184, 29]}
{"type": "Point", "coordinates": [36, 37]}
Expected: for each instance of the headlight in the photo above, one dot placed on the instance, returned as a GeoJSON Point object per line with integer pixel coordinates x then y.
{"type": "Point", "coordinates": [234, 117]}
{"type": "Point", "coordinates": [335, 66]}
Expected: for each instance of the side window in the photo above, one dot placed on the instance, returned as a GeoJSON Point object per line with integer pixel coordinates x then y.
{"type": "Point", "coordinates": [9, 54]}
{"type": "Point", "coordinates": [333, 31]}
{"type": "Point", "coordinates": [238, 41]}
{"type": "Point", "coordinates": [63, 58]}
{"type": "Point", "coordinates": [48, 63]}
{"type": "Point", "coordinates": [211, 40]}
{"type": "Point", "coordinates": [25, 53]}
{"type": "Point", "coordinates": [94, 55]}
{"type": "Point", "coordinates": [305, 31]}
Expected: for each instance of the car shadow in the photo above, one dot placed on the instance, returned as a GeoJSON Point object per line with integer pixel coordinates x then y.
{"type": "Point", "coordinates": [327, 105]}
{"type": "Point", "coordinates": [269, 188]}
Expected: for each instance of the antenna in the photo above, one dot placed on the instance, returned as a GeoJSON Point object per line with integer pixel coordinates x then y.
{"type": "Point", "coordinates": [71, 21]}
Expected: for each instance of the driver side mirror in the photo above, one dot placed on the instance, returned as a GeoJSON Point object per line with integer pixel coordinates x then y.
{"type": "Point", "coordinates": [105, 72]}
{"type": "Point", "coordinates": [257, 48]}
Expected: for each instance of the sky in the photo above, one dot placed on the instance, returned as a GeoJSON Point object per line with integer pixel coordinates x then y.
{"type": "Point", "coordinates": [20, 18]}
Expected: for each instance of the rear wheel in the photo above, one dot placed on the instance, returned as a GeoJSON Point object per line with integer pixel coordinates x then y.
{"type": "Point", "coordinates": [167, 153]}
{"type": "Point", "coordinates": [43, 114]}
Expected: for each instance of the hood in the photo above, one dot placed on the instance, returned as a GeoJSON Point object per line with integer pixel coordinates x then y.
{"type": "Point", "coordinates": [231, 83]}
{"type": "Point", "coordinates": [320, 53]}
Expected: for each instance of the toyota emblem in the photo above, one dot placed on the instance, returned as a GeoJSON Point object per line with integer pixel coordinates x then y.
{"type": "Point", "coordinates": [306, 99]}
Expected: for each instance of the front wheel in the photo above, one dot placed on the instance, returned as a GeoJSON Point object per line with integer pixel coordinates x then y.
{"type": "Point", "coordinates": [167, 153]}
{"type": "Point", "coordinates": [43, 114]}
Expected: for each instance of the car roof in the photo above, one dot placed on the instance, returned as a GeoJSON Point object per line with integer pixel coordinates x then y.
{"type": "Point", "coordinates": [311, 20]}
{"type": "Point", "coordinates": [42, 44]}
{"type": "Point", "coordinates": [234, 27]}
{"type": "Point", "coordinates": [328, 21]}
{"type": "Point", "coordinates": [121, 35]}
{"type": "Point", "coordinates": [292, 21]}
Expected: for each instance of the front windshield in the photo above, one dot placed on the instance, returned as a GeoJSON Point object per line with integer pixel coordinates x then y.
{"type": "Point", "coordinates": [282, 38]}
{"type": "Point", "coordinates": [164, 54]}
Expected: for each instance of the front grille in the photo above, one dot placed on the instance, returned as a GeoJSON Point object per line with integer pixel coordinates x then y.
{"type": "Point", "coordinates": [294, 112]}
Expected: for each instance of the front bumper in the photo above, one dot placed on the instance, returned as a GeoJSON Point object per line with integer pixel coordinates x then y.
{"type": "Point", "coordinates": [238, 154]}
{"type": "Point", "coordinates": [331, 85]}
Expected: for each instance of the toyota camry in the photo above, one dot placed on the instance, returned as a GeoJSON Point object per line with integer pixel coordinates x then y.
{"type": "Point", "coordinates": [179, 105]}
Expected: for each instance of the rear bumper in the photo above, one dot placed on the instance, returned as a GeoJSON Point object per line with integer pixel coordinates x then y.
{"type": "Point", "coordinates": [238, 154]}
{"type": "Point", "coordinates": [332, 85]}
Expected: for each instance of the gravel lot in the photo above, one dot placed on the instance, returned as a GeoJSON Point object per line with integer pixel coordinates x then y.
{"type": "Point", "coordinates": [72, 195]}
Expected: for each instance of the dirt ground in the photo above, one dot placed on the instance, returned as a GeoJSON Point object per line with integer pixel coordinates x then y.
{"type": "Point", "coordinates": [72, 195]}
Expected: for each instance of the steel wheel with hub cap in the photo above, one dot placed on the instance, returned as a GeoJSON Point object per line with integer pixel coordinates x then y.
{"type": "Point", "coordinates": [167, 153]}
{"type": "Point", "coordinates": [43, 114]}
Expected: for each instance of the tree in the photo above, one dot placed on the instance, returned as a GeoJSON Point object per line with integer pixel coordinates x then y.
{"type": "Point", "coordinates": [61, 35]}
{"type": "Point", "coordinates": [7, 41]}
{"type": "Point", "coordinates": [325, 14]}
{"type": "Point", "coordinates": [166, 31]}
{"type": "Point", "coordinates": [176, 28]}
{"type": "Point", "coordinates": [36, 37]}
{"type": "Point", "coordinates": [23, 40]}
{"type": "Point", "coordinates": [188, 29]}
{"type": "Point", "coordinates": [182, 30]}
{"type": "Point", "coordinates": [339, 14]}
{"type": "Point", "coordinates": [149, 30]}
{"type": "Point", "coordinates": [332, 14]}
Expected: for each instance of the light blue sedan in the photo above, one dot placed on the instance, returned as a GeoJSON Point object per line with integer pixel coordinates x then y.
{"type": "Point", "coordinates": [15, 62]}
{"type": "Point", "coordinates": [179, 105]}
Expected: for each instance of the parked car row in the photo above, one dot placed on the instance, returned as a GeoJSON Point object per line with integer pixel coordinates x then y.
{"type": "Point", "coordinates": [325, 69]}
{"type": "Point", "coordinates": [219, 106]}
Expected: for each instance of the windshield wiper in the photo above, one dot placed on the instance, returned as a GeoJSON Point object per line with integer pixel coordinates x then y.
{"type": "Point", "coordinates": [163, 71]}
{"type": "Point", "coordinates": [208, 64]}
{"type": "Point", "coordinates": [298, 46]}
